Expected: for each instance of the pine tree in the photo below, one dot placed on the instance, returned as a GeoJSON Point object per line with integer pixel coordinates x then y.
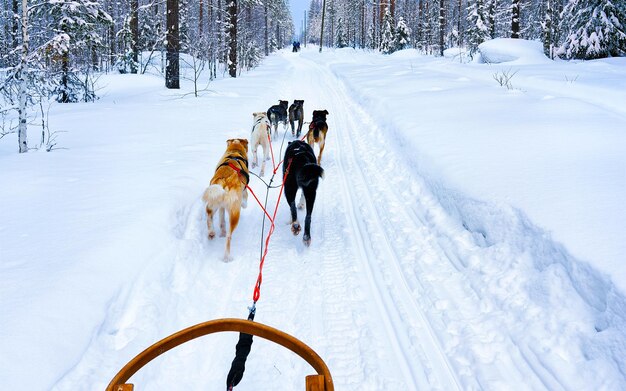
{"type": "Point", "coordinates": [403, 33]}
{"type": "Point", "coordinates": [342, 40]}
{"type": "Point", "coordinates": [75, 22]}
{"type": "Point", "coordinates": [548, 28]}
{"type": "Point", "coordinates": [387, 40]}
{"type": "Point", "coordinates": [593, 29]}
{"type": "Point", "coordinates": [477, 29]}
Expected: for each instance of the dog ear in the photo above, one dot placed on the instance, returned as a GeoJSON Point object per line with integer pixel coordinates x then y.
{"type": "Point", "coordinates": [244, 141]}
{"type": "Point", "coordinates": [229, 141]}
{"type": "Point", "coordinates": [326, 112]}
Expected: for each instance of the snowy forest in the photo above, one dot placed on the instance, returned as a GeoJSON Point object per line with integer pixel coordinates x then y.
{"type": "Point", "coordinates": [55, 50]}
{"type": "Point", "coordinates": [583, 29]}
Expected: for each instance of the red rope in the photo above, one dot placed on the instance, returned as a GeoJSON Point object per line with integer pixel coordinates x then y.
{"type": "Point", "coordinates": [257, 287]}
{"type": "Point", "coordinates": [260, 204]}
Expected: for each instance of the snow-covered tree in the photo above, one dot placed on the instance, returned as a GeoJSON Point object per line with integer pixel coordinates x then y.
{"type": "Point", "coordinates": [549, 28]}
{"type": "Point", "coordinates": [75, 22]}
{"type": "Point", "coordinates": [387, 44]}
{"type": "Point", "coordinates": [403, 35]}
{"type": "Point", "coordinates": [442, 26]}
{"type": "Point", "coordinates": [515, 18]}
{"type": "Point", "coordinates": [341, 39]}
{"type": "Point", "coordinates": [477, 27]}
{"type": "Point", "coordinates": [593, 29]}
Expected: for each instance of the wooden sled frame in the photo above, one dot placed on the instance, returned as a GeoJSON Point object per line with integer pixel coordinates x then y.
{"type": "Point", "coordinates": [320, 382]}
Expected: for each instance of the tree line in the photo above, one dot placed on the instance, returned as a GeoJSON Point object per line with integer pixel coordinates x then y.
{"type": "Point", "coordinates": [581, 29]}
{"type": "Point", "coordinates": [56, 49]}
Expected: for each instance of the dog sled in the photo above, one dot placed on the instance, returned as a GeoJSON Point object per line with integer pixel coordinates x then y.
{"type": "Point", "coordinates": [322, 381]}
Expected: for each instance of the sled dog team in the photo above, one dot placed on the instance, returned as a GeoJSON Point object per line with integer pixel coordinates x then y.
{"type": "Point", "coordinates": [301, 169]}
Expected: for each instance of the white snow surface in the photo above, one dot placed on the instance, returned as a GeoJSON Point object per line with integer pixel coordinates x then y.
{"type": "Point", "coordinates": [512, 50]}
{"type": "Point", "coordinates": [465, 236]}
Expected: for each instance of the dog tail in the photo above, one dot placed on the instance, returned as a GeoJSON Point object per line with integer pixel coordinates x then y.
{"type": "Point", "coordinates": [309, 173]}
{"type": "Point", "coordinates": [214, 195]}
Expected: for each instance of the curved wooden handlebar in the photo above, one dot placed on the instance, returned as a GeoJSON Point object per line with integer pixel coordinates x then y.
{"type": "Point", "coordinates": [216, 326]}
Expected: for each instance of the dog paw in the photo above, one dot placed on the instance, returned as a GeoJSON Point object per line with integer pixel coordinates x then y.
{"type": "Point", "coordinates": [227, 258]}
{"type": "Point", "coordinates": [306, 239]}
{"type": "Point", "coordinates": [222, 234]}
{"type": "Point", "coordinates": [295, 228]}
{"type": "Point", "coordinates": [211, 235]}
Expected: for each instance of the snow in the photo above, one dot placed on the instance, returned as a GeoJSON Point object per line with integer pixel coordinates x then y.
{"type": "Point", "coordinates": [466, 235]}
{"type": "Point", "coordinates": [512, 50]}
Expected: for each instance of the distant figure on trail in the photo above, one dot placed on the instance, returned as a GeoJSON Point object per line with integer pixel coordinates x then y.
{"type": "Point", "coordinates": [296, 46]}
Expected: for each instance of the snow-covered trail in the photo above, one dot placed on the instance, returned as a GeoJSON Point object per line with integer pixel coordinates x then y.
{"type": "Point", "coordinates": [410, 258]}
{"type": "Point", "coordinates": [398, 291]}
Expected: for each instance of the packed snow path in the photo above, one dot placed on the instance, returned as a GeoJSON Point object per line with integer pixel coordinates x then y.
{"type": "Point", "coordinates": [404, 287]}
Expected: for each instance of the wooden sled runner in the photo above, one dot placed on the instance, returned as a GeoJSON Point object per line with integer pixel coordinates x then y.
{"type": "Point", "coordinates": [320, 382]}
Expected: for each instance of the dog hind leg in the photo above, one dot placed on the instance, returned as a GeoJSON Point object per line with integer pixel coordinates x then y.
{"type": "Point", "coordinates": [309, 195]}
{"type": "Point", "coordinates": [319, 157]}
{"type": "Point", "coordinates": [233, 219]}
{"type": "Point", "coordinates": [265, 157]}
{"type": "Point", "coordinates": [290, 195]}
{"type": "Point", "coordinates": [254, 156]}
{"type": "Point", "coordinates": [299, 127]}
{"type": "Point", "coordinates": [209, 222]}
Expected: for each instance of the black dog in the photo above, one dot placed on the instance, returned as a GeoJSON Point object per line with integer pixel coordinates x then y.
{"type": "Point", "coordinates": [278, 113]}
{"type": "Point", "coordinates": [296, 113]}
{"type": "Point", "coordinates": [301, 172]}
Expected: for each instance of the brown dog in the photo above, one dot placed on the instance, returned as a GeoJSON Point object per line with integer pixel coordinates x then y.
{"type": "Point", "coordinates": [317, 131]}
{"type": "Point", "coordinates": [228, 190]}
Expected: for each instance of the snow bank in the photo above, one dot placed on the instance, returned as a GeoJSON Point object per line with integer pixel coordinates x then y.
{"type": "Point", "coordinates": [510, 50]}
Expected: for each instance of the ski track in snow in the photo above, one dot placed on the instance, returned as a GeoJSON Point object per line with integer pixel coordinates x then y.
{"type": "Point", "coordinates": [395, 293]}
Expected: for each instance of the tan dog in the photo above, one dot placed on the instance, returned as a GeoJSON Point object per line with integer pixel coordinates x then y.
{"type": "Point", "coordinates": [317, 131]}
{"type": "Point", "coordinates": [228, 190]}
{"type": "Point", "coordinates": [260, 137]}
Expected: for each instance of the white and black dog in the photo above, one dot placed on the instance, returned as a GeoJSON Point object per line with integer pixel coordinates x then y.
{"type": "Point", "coordinates": [278, 113]}
{"type": "Point", "coordinates": [301, 171]}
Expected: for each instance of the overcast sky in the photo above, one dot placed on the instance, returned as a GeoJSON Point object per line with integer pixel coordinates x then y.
{"type": "Point", "coordinates": [297, 13]}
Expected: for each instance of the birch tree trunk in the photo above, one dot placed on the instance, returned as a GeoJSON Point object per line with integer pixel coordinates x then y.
{"type": "Point", "coordinates": [22, 138]}
{"type": "Point", "coordinates": [322, 28]}
{"type": "Point", "coordinates": [442, 25]}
